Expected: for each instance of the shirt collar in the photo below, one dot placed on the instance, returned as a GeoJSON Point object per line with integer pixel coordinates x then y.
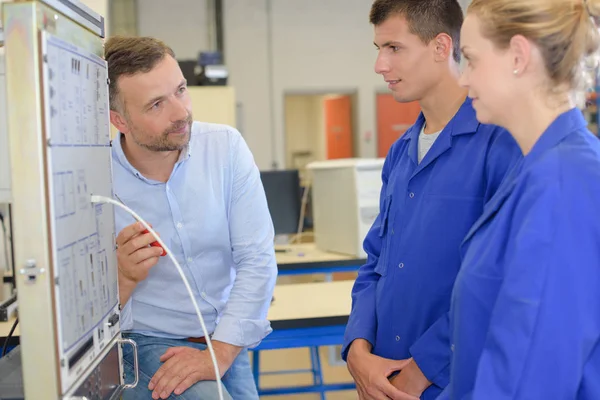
{"type": "Point", "coordinates": [463, 122]}
{"type": "Point", "coordinates": [566, 123]}
{"type": "Point", "coordinates": [119, 154]}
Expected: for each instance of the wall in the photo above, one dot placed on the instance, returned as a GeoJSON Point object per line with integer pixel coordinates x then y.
{"type": "Point", "coordinates": [248, 60]}
{"type": "Point", "coordinates": [122, 15]}
{"type": "Point", "coordinates": [464, 4]}
{"type": "Point", "coordinates": [182, 24]}
{"type": "Point", "coordinates": [215, 104]}
{"type": "Point", "coordinates": [301, 47]}
{"type": "Point", "coordinates": [304, 130]}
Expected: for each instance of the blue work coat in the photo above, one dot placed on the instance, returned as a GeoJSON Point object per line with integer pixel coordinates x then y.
{"type": "Point", "coordinates": [525, 315]}
{"type": "Point", "coordinates": [401, 298]}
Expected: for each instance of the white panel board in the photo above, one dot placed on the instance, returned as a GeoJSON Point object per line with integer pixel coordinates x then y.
{"type": "Point", "coordinates": [79, 164]}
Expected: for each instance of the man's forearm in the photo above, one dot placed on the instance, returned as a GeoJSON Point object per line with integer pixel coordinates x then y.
{"type": "Point", "coordinates": [225, 353]}
{"type": "Point", "coordinates": [361, 345]}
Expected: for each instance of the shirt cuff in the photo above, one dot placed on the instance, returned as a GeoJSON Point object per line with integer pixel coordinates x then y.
{"type": "Point", "coordinates": [241, 332]}
{"type": "Point", "coordinates": [350, 337]}
{"type": "Point", "coordinates": [435, 367]}
{"type": "Point", "coordinates": [362, 323]}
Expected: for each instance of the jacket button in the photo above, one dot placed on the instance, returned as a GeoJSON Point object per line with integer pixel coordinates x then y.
{"type": "Point", "coordinates": [401, 265]}
{"type": "Point", "coordinates": [397, 338]}
{"type": "Point", "coordinates": [411, 195]}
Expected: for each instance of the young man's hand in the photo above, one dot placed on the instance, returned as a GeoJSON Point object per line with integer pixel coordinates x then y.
{"type": "Point", "coordinates": [411, 379]}
{"type": "Point", "coordinates": [371, 372]}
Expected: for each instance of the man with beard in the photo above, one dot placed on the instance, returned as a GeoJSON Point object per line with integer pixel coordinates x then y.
{"type": "Point", "coordinates": [198, 185]}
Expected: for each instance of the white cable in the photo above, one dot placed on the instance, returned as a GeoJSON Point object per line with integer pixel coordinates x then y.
{"type": "Point", "coordinates": [103, 199]}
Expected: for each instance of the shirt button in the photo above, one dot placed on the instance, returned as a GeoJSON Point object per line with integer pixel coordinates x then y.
{"type": "Point", "coordinates": [190, 259]}
{"type": "Point", "coordinates": [397, 338]}
{"type": "Point", "coordinates": [203, 294]}
{"type": "Point", "coordinates": [179, 225]}
{"type": "Point", "coordinates": [411, 195]}
{"type": "Point", "coordinates": [401, 265]}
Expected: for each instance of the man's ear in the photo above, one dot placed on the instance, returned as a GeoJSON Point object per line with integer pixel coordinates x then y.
{"type": "Point", "coordinates": [443, 47]}
{"type": "Point", "coordinates": [119, 121]}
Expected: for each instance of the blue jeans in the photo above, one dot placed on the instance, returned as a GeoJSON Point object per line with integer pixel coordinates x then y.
{"type": "Point", "coordinates": [238, 381]}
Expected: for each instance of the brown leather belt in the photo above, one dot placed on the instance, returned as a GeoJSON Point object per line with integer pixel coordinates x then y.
{"type": "Point", "coordinates": [200, 340]}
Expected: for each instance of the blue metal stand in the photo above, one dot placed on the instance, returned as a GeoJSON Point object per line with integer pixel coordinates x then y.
{"type": "Point", "coordinates": [312, 338]}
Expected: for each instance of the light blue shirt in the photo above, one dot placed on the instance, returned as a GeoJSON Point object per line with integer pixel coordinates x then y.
{"type": "Point", "coordinates": [212, 213]}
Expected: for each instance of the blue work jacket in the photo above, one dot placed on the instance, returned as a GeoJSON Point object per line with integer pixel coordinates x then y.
{"type": "Point", "coordinates": [401, 298]}
{"type": "Point", "coordinates": [525, 314]}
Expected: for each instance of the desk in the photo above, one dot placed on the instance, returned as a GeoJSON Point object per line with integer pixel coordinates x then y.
{"type": "Point", "coordinates": [305, 258]}
{"type": "Point", "coordinates": [5, 328]}
{"type": "Point", "coordinates": [306, 315]}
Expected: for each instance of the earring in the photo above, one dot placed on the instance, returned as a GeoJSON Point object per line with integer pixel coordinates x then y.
{"type": "Point", "coordinates": [516, 72]}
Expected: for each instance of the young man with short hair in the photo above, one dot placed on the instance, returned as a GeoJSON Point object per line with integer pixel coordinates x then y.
{"type": "Point", "coordinates": [436, 180]}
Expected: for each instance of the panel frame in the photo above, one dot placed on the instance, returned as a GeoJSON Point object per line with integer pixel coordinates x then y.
{"type": "Point", "coordinates": [33, 241]}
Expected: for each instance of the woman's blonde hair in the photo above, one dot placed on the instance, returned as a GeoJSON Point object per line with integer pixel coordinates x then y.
{"type": "Point", "coordinates": [565, 31]}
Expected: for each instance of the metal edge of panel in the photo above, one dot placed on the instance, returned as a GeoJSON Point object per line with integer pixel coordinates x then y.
{"type": "Point", "coordinates": [99, 363]}
{"type": "Point", "coordinates": [32, 253]}
{"type": "Point", "coordinates": [42, 50]}
{"type": "Point", "coordinates": [65, 28]}
{"type": "Point", "coordinates": [79, 13]}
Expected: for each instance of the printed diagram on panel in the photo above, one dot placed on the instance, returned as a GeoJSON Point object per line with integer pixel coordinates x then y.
{"type": "Point", "coordinates": [77, 129]}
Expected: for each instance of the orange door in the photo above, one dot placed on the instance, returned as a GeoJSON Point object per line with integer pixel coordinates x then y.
{"type": "Point", "coordinates": [338, 127]}
{"type": "Point", "coordinates": [393, 119]}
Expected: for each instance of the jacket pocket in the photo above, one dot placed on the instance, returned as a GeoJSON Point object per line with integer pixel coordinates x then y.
{"type": "Point", "coordinates": [384, 228]}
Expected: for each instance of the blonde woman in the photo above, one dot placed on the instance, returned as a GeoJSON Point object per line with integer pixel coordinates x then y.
{"type": "Point", "coordinates": [525, 314]}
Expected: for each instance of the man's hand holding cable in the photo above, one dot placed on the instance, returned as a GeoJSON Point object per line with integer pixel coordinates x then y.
{"type": "Point", "coordinates": [184, 366]}
{"type": "Point", "coordinates": [135, 258]}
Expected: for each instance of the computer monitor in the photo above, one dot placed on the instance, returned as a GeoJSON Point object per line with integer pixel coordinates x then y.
{"type": "Point", "coordinates": [188, 69]}
{"type": "Point", "coordinates": [284, 199]}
